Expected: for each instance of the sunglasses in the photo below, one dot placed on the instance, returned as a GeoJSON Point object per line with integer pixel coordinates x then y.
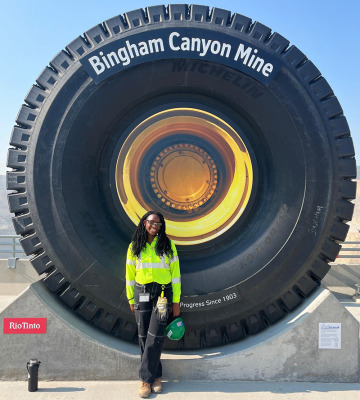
{"type": "Point", "coordinates": [152, 223]}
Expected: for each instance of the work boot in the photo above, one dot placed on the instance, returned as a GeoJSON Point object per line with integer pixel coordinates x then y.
{"type": "Point", "coordinates": [156, 387]}
{"type": "Point", "coordinates": [145, 390]}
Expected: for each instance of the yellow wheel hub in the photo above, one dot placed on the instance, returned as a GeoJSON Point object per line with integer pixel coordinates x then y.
{"type": "Point", "coordinates": [192, 166]}
{"type": "Point", "coordinates": [183, 176]}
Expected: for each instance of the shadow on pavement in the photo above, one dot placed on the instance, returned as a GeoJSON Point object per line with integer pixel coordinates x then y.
{"type": "Point", "coordinates": [61, 389]}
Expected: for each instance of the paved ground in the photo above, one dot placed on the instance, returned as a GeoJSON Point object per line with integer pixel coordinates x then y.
{"type": "Point", "coordinates": [128, 390]}
{"type": "Point", "coordinates": [184, 390]}
{"type": "Point", "coordinates": [5, 301]}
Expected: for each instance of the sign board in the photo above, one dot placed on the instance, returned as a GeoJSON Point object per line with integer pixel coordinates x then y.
{"type": "Point", "coordinates": [330, 335]}
{"type": "Point", "coordinates": [24, 325]}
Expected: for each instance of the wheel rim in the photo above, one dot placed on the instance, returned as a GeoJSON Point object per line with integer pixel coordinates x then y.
{"type": "Point", "coordinates": [191, 164]}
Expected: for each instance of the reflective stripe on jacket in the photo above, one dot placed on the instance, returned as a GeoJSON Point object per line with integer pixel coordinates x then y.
{"type": "Point", "coordinates": [149, 267]}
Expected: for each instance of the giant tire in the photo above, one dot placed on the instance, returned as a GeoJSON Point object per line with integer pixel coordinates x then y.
{"type": "Point", "coordinates": [64, 158]}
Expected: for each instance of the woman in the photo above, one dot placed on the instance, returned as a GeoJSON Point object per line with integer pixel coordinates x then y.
{"type": "Point", "coordinates": [152, 273]}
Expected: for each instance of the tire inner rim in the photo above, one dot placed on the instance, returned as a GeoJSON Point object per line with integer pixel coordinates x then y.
{"type": "Point", "coordinates": [192, 166]}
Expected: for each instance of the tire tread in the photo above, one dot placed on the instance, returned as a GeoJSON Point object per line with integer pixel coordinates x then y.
{"type": "Point", "coordinates": [295, 61]}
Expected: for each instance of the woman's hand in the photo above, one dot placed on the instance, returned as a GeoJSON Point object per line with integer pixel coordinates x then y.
{"type": "Point", "coordinates": [132, 308]}
{"type": "Point", "coordinates": [176, 309]}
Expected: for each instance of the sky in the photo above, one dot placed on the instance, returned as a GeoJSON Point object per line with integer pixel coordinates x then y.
{"type": "Point", "coordinates": [33, 32]}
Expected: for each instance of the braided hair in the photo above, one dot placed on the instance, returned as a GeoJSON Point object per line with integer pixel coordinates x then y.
{"type": "Point", "coordinates": [163, 244]}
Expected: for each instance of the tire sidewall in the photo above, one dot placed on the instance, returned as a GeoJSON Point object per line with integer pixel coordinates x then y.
{"type": "Point", "coordinates": [288, 218]}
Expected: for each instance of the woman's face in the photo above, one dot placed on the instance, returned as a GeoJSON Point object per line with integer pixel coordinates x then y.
{"type": "Point", "coordinates": [151, 224]}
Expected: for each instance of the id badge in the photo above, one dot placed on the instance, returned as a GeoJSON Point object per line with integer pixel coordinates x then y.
{"type": "Point", "coordinates": [144, 297]}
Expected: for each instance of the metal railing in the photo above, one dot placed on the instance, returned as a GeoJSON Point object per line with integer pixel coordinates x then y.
{"type": "Point", "coordinates": [345, 249]}
{"type": "Point", "coordinates": [11, 249]}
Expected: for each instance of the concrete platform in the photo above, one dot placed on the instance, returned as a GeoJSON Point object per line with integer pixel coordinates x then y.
{"type": "Point", "coordinates": [128, 390]}
{"type": "Point", "coordinates": [287, 351]}
{"type": "Point", "coordinates": [13, 281]}
{"type": "Point", "coordinates": [342, 278]}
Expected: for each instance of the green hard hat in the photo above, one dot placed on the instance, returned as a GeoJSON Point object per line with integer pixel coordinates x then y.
{"type": "Point", "coordinates": [176, 329]}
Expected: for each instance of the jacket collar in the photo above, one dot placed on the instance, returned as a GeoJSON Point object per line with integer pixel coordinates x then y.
{"type": "Point", "coordinates": [153, 243]}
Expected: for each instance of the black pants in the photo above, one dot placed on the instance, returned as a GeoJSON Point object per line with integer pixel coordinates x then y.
{"type": "Point", "coordinates": [150, 329]}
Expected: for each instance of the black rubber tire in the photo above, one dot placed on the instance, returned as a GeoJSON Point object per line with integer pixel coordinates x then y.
{"type": "Point", "coordinates": [260, 269]}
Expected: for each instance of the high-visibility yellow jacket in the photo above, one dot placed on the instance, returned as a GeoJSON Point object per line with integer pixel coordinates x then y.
{"type": "Point", "coordinates": [149, 267]}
